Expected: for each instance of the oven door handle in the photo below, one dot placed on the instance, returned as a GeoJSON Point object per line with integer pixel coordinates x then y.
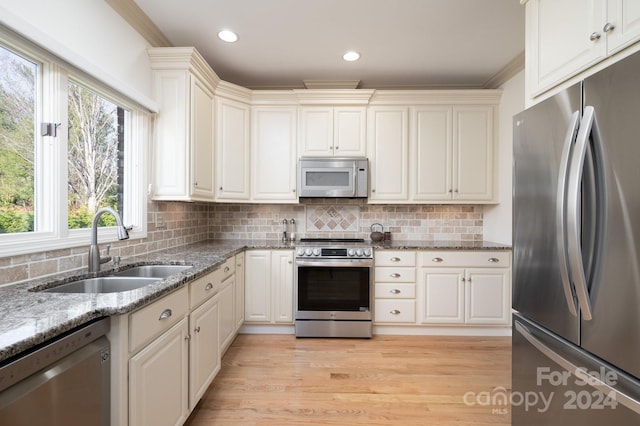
{"type": "Point", "coordinates": [335, 262]}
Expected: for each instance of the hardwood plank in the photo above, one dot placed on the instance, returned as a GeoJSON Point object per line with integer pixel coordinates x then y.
{"type": "Point", "coordinates": [386, 380]}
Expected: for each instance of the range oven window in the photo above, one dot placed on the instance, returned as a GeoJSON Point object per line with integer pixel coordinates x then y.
{"type": "Point", "coordinates": [333, 289]}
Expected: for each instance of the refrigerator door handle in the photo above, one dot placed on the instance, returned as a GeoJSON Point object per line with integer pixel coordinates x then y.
{"type": "Point", "coordinates": [561, 208]}
{"type": "Point", "coordinates": [573, 212]}
{"type": "Point", "coordinates": [593, 380]}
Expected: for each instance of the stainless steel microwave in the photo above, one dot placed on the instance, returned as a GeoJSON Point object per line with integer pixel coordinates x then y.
{"type": "Point", "coordinates": [333, 177]}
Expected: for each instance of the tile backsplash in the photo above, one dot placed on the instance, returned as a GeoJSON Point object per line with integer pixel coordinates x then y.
{"type": "Point", "coordinates": [186, 223]}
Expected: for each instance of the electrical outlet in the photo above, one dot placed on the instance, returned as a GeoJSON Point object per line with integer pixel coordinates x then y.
{"type": "Point", "coordinates": [160, 223]}
{"type": "Point", "coordinates": [276, 218]}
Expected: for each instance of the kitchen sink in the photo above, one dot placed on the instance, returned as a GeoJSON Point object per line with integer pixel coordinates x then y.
{"type": "Point", "coordinates": [153, 271]}
{"type": "Point", "coordinates": [109, 284]}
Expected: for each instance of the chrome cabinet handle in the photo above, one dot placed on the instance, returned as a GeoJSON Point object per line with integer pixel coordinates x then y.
{"type": "Point", "coordinates": [437, 259]}
{"type": "Point", "coordinates": [208, 287]}
{"type": "Point", "coordinates": [395, 312]}
{"type": "Point", "coordinates": [595, 36]}
{"type": "Point", "coordinates": [220, 188]}
{"type": "Point", "coordinates": [608, 27]}
{"type": "Point", "coordinates": [165, 314]}
{"type": "Point", "coordinates": [494, 260]}
{"type": "Point", "coordinates": [226, 269]}
{"type": "Point", "coordinates": [373, 190]}
{"type": "Point", "coordinates": [395, 259]}
{"type": "Point", "coordinates": [394, 291]}
{"type": "Point", "coordinates": [293, 190]}
{"type": "Point", "coordinates": [197, 329]}
{"type": "Point", "coordinates": [337, 147]}
{"type": "Point", "coordinates": [395, 275]}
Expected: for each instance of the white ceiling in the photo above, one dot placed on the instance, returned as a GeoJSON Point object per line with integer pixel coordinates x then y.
{"type": "Point", "coordinates": [403, 43]}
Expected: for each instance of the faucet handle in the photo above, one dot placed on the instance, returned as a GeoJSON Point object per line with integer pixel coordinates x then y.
{"type": "Point", "coordinates": [108, 248]}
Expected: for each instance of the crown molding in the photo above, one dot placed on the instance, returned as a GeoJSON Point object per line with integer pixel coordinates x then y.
{"type": "Point", "coordinates": [334, 96]}
{"type": "Point", "coordinates": [233, 92]}
{"type": "Point", "coordinates": [505, 74]}
{"type": "Point", "coordinates": [331, 84]}
{"type": "Point", "coordinates": [436, 97]}
{"type": "Point", "coordinates": [140, 22]}
{"type": "Point", "coordinates": [183, 58]}
{"type": "Point", "coordinates": [274, 97]}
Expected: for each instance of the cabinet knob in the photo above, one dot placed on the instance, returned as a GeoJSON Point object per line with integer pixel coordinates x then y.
{"type": "Point", "coordinates": [608, 27]}
{"type": "Point", "coordinates": [330, 147]}
{"type": "Point", "coordinates": [463, 280]}
{"type": "Point", "coordinates": [494, 260]}
{"type": "Point", "coordinates": [394, 291]}
{"type": "Point", "coordinates": [395, 259]}
{"type": "Point", "coordinates": [395, 275]}
{"type": "Point", "coordinates": [220, 188]}
{"type": "Point", "coordinates": [293, 190]}
{"type": "Point", "coordinates": [337, 147]}
{"type": "Point", "coordinates": [197, 329]}
{"type": "Point", "coordinates": [289, 262]}
{"type": "Point", "coordinates": [595, 36]}
{"type": "Point", "coordinates": [208, 287]}
{"type": "Point", "coordinates": [450, 191]}
{"type": "Point", "coordinates": [165, 314]}
{"type": "Point", "coordinates": [395, 312]}
{"type": "Point", "coordinates": [373, 190]}
{"type": "Point", "coordinates": [437, 259]}
{"type": "Point", "coordinates": [226, 269]}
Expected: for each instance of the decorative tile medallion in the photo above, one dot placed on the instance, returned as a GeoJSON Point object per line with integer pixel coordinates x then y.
{"type": "Point", "coordinates": [332, 218]}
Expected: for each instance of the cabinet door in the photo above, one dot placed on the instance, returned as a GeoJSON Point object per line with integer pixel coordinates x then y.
{"type": "Point", "coordinates": [239, 291]}
{"type": "Point", "coordinates": [257, 281]}
{"type": "Point", "coordinates": [487, 296]}
{"type": "Point", "coordinates": [282, 285]}
{"type": "Point", "coordinates": [158, 380]}
{"type": "Point", "coordinates": [625, 16]}
{"type": "Point", "coordinates": [316, 132]}
{"type": "Point", "coordinates": [388, 148]}
{"type": "Point", "coordinates": [441, 296]}
{"type": "Point", "coordinates": [232, 150]}
{"type": "Point", "coordinates": [349, 131]}
{"type": "Point", "coordinates": [227, 317]}
{"type": "Point", "coordinates": [202, 141]}
{"type": "Point", "coordinates": [204, 355]}
{"type": "Point", "coordinates": [473, 153]}
{"type": "Point", "coordinates": [559, 39]}
{"type": "Point", "coordinates": [273, 154]}
{"type": "Point", "coordinates": [431, 157]}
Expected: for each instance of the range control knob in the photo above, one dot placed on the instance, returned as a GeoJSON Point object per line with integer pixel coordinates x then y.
{"type": "Point", "coordinates": [351, 252]}
{"type": "Point", "coordinates": [316, 252]}
{"type": "Point", "coordinates": [308, 252]}
{"type": "Point", "coordinates": [367, 252]}
{"type": "Point", "coordinates": [300, 252]}
{"type": "Point", "coordinates": [358, 252]}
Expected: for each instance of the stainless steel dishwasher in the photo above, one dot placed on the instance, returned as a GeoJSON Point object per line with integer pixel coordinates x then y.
{"type": "Point", "coordinates": [64, 381]}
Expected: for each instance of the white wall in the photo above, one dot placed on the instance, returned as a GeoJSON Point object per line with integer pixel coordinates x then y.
{"type": "Point", "coordinates": [90, 35]}
{"type": "Point", "coordinates": [498, 218]}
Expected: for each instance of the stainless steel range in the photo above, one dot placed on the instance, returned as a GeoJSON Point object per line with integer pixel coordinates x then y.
{"type": "Point", "coordinates": [334, 288]}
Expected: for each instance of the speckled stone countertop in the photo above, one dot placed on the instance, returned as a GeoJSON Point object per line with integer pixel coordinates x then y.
{"type": "Point", "coordinates": [28, 317]}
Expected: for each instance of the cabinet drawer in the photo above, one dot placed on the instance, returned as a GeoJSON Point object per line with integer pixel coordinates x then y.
{"type": "Point", "coordinates": [395, 291]}
{"type": "Point", "coordinates": [390, 274]}
{"type": "Point", "coordinates": [152, 320]}
{"type": "Point", "coordinates": [395, 310]}
{"type": "Point", "coordinates": [395, 258]}
{"type": "Point", "coordinates": [204, 287]}
{"type": "Point", "coordinates": [228, 268]}
{"type": "Point", "coordinates": [467, 259]}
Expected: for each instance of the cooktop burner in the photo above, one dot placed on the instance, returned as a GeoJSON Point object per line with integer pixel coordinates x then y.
{"type": "Point", "coordinates": [332, 240]}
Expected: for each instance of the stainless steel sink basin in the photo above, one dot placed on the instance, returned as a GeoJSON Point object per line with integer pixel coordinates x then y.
{"type": "Point", "coordinates": [153, 271]}
{"type": "Point", "coordinates": [103, 285]}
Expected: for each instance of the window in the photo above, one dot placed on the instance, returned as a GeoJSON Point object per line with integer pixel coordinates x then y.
{"type": "Point", "coordinates": [55, 176]}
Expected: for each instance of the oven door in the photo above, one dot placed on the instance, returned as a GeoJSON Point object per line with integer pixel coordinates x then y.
{"type": "Point", "coordinates": [329, 289]}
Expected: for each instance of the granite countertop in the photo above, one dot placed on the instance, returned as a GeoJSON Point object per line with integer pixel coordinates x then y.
{"type": "Point", "coordinates": [29, 317]}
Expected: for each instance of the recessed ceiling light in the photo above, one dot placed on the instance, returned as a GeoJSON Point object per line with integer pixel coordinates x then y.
{"type": "Point", "coordinates": [351, 56]}
{"type": "Point", "coordinates": [228, 36]}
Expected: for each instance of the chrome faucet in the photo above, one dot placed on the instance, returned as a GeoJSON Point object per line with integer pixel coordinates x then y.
{"type": "Point", "coordinates": [95, 260]}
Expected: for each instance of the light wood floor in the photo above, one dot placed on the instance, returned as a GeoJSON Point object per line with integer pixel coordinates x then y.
{"type": "Point", "coordinates": [388, 380]}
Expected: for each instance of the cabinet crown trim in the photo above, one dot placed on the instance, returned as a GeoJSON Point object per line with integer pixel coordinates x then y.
{"type": "Point", "coordinates": [233, 92]}
{"type": "Point", "coordinates": [436, 97]}
{"type": "Point", "coordinates": [183, 58]}
{"type": "Point", "coordinates": [334, 96]}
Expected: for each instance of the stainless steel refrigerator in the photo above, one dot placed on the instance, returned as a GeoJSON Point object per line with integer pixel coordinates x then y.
{"type": "Point", "coordinates": [576, 254]}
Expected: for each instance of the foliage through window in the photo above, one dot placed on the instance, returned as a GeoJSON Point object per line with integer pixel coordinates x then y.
{"type": "Point", "coordinates": [95, 156]}
{"type": "Point", "coordinates": [18, 79]}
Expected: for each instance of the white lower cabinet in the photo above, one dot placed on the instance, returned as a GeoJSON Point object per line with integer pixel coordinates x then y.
{"type": "Point", "coordinates": [269, 286]}
{"type": "Point", "coordinates": [395, 287]}
{"type": "Point", "coordinates": [238, 291]}
{"type": "Point", "coordinates": [204, 353]}
{"type": "Point", "coordinates": [227, 317]}
{"type": "Point", "coordinates": [469, 288]}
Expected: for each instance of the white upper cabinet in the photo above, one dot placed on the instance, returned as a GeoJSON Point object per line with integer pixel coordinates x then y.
{"type": "Point", "coordinates": [388, 150]}
{"type": "Point", "coordinates": [232, 148]}
{"type": "Point", "coordinates": [273, 154]}
{"type": "Point", "coordinates": [332, 131]}
{"type": "Point", "coordinates": [565, 37]}
{"type": "Point", "coordinates": [183, 146]}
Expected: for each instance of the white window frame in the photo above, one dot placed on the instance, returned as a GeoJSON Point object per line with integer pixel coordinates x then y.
{"type": "Point", "coordinates": [51, 179]}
